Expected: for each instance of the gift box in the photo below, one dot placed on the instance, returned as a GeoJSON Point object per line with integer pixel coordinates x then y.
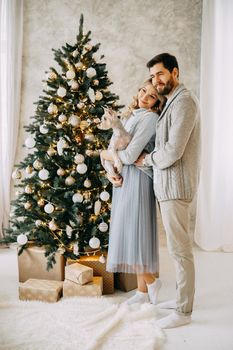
{"type": "Point", "coordinates": [43, 290]}
{"type": "Point", "coordinates": [78, 273]}
{"type": "Point", "coordinates": [125, 281]}
{"type": "Point", "coordinates": [32, 263]}
{"type": "Point", "coordinates": [99, 269]}
{"type": "Point", "coordinates": [94, 288]}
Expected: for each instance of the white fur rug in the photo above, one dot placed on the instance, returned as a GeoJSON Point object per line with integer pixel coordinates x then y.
{"type": "Point", "coordinates": [80, 323]}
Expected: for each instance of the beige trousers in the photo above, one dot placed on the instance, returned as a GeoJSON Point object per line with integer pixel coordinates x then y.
{"type": "Point", "coordinates": [176, 220]}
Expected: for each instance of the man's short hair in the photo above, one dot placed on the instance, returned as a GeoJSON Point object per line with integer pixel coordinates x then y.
{"type": "Point", "coordinates": [169, 61]}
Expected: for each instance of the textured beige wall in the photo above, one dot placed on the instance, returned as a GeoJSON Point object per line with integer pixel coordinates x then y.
{"type": "Point", "coordinates": [130, 32]}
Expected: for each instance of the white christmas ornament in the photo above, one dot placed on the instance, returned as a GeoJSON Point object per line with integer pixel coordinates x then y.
{"type": "Point", "coordinates": [103, 227]}
{"type": "Point", "coordinates": [22, 239]}
{"type": "Point", "coordinates": [74, 120]}
{"type": "Point", "coordinates": [87, 183]}
{"type": "Point", "coordinates": [61, 145]}
{"type": "Point", "coordinates": [16, 175]}
{"type": "Point", "coordinates": [104, 196]}
{"type": "Point", "coordinates": [43, 174]}
{"type": "Point", "coordinates": [91, 94]}
{"type": "Point", "coordinates": [30, 142]}
{"type": "Point", "coordinates": [70, 74]}
{"type": "Point", "coordinates": [62, 118]}
{"type": "Point", "coordinates": [37, 164]}
{"type": "Point", "coordinates": [77, 198]}
{"type": "Point", "coordinates": [60, 172]}
{"type": "Point", "coordinates": [61, 91]}
{"type": "Point", "coordinates": [80, 105]}
{"type": "Point", "coordinates": [79, 158]}
{"type": "Point", "coordinates": [94, 243]}
{"type": "Point", "coordinates": [69, 231]}
{"type": "Point", "coordinates": [91, 72]}
{"type": "Point", "coordinates": [53, 225]}
{"type": "Point", "coordinates": [79, 65]}
{"type": "Point", "coordinates": [52, 108]}
{"type": "Point", "coordinates": [97, 207]}
{"type": "Point", "coordinates": [81, 168]}
{"type": "Point", "coordinates": [38, 223]}
{"type": "Point", "coordinates": [98, 96]}
{"type": "Point", "coordinates": [89, 137]}
{"type": "Point", "coordinates": [44, 129]}
{"type": "Point", "coordinates": [102, 259]}
{"type": "Point", "coordinates": [69, 181]}
{"type": "Point", "coordinates": [49, 208]}
{"type": "Point", "coordinates": [74, 85]}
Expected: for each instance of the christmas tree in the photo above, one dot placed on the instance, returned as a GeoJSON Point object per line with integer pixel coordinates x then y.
{"type": "Point", "coordinates": [63, 201]}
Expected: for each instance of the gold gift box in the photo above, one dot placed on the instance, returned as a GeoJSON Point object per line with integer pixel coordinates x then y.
{"type": "Point", "coordinates": [99, 269]}
{"type": "Point", "coordinates": [32, 263]}
{"type": "Point", "coordinates": [94, 288]}
{"type": "Point", "coordinates": [78, 273]}
{"type": "Point", "coordinates": [43, 290]}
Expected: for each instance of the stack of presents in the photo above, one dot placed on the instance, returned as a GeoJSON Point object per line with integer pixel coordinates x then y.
{"type": "Point", "coordinates": [86, 276]}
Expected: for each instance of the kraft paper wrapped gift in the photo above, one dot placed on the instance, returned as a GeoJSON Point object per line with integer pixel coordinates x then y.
{"type": "Point", "coordinates": [125, 281]}
{"type": "Point", "coordinates": [43, 290]}
{"type": "Point", "coordinates": [94, 288]}
{"type": "Point", "coordinates": [99, 269]}
{"type": "Point", "coordinates": [78, 273]}
{"type": "Point", "coordinates": [32, 263]}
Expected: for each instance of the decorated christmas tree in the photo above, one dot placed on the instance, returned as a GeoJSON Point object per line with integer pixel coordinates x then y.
{"type": "Point", "coordinates": [63, 198]}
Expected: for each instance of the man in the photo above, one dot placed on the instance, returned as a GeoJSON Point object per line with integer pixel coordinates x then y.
{"type": "Point", "coordinates": [175, 161]}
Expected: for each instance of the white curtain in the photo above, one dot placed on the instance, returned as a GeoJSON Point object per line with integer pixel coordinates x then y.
{"type": "Point", "coordinates": [214, 227]}
{"type": "Point", "coordinates": [11, 31]}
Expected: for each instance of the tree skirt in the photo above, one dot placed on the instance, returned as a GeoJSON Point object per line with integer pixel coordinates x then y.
{"type": "Point", "coordinates": [79, 323]}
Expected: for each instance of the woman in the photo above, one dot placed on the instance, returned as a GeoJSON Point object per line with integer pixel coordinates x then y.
{"type": "Point", "coordinates": [133, 242]}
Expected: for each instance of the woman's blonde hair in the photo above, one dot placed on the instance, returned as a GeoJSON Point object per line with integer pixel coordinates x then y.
{"type": "Point", "coordinates": [157, 108]}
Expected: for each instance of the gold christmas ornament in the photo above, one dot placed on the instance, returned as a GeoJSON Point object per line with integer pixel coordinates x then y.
{"type": "Point", "coordinates": [80, 105]}
{"type": "Point", "coordinates": [98, 96]}
{"type": "Point", "coordinates": [74, 120]}
{"type": "Point", "coordinates": [28, 189]}
{"type": "Point", "coordinates": [27, 205]}
{"type": "Point", "coordinates": [79, 158]}
{"type": "Point", "coordinates": [74, 85]}
{"type": "Point", "coordinates": [37, 164]}
{"type": "Point", "coordinates": [38, 223]}
{"type": "Point", "coordinates": [51, 151]}
{"type": "Point", "coordinates": [95, 82]}
{"type": "Point", "coordinates": [29, 169]}
{"type": "Point", "coordinates": [87, 183]}
{"type": "Point", "coordinates": [52, 225]}
{"type": "Point", "coordinates": [52, 109]}
{"type": "Point", "coordinates": [84, 124]}
{"type": "Point", "coordinates": [75, 53]}
{"type": "Point", "coordinates": [69, 181]}
{"type": "Point", "coordinates": [60, 172]}
{"type": "Point", "coordinates": [52, 76]}
{"type": "Point", "coordinates": [41, 202]}
{"type": "Point", "coordinates": [70, 74]}
{"type": "Point", "coordinates": [62, 118]}
{"type": "Point", "coordinates": [89, 137]}
{"type": "Point", "coordinates": [79, 65]}
{"type": "Point", "coordinates": [16, 175]}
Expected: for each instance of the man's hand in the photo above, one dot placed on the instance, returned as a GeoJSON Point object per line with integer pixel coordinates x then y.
{"type": "Point", "coordinates": [140, 159]}
{"type": "Point", "coordinates": [115, 180]}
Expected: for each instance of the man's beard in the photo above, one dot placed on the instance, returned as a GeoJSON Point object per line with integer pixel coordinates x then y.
{"type": "Point", "coordinates": [167, 87]}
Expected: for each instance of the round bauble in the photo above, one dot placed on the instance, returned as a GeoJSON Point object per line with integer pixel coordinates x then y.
{"type": "Point", "coordinates": [22, 239]}
{"type": "Point", "coordinates": [74, 85]}
{"type": "Point", "coordinates": [84, 124]}
{"type": "Point", "coordinates": [52, 76]}
{"type": "Point", "coordinates": [79, 158]}
{"type": "Point", "coordinates": [61, 91]}
{"type": "Point", "coordinates": [28, 189]}
{"type": "Point", "coordinates": [51, 151]}
{"type": "Point", "coordinates": [27, 205]}
{"type": "Point", "coordinates": [104, 196]}
{"type": "Point", "coordinates": [53, 225]}
{"type": "Point", "coordinates": [87, 183]}
{"type": "Point", "coordinates": [43, 174]}
{"type": "Point", "coordinates": [81, 168]}
{"type": "Point", "coordinates": [94, 243]}
{"type": "Point", "coordinates": [69, 181]}
{"type": "Point", "coordinates": [91, 72]}
{"type": "Point", "coordinates": [62, 118]}
{"type": "Point", "coordinates": [77, 198]}
{"type": "Point", "coordinates": [38, 223]}
{"type": "Point", "coordinates": [52, 109]}
{"type": "Point", "coordinates": [37, 164]}
{"type": "Point", "coordinates": [90, 137]}
{"type": "Point", "coordinates": [74, 120]}
{"type": "Point", "coordinates": [98, 96]}
{"type": "Point", "coordinates": [70, 74]}
{"type": "Point", "coordinates": [44, 129]}
{"type": "Point", "coordinates": [79, 65]}
{"type": "Point", "coordinates": [102, 259]}
{"type": "Point", "coordinates": [29, 169]}
{"type": "Point", "coordinates": [41, 202]}
{"type": "Point", "coordinates": [103, 227]}
{"type": "Point", "coordinates": [16, 175]}
{"type": "Point", "coordinates": [49, 208]}
{"type": "Point", "coordinates": [60, 172]}
{"type": "Point", "coordinates": [30, 142]}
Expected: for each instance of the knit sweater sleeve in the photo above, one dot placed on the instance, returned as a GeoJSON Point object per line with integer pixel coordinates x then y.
{"type": "Point", "coordinates": [183, 119]}
{"type": "Point", "coordinates": [144, 131]}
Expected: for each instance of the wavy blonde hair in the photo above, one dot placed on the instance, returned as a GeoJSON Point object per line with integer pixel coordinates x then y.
{"type": "Point", "coordinates": [157, 108]}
